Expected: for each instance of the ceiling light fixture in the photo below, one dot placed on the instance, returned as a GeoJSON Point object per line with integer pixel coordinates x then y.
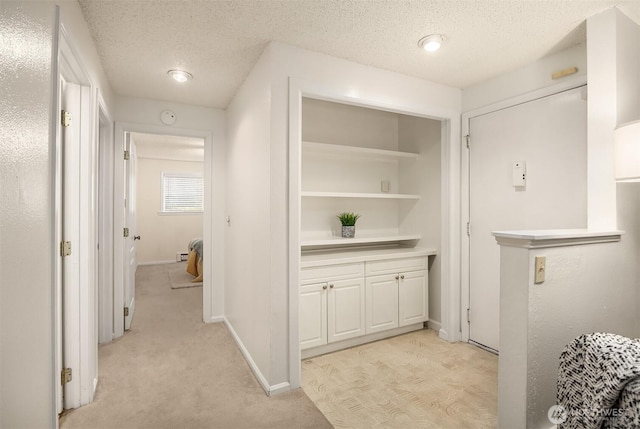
{"type": "Point", "coordinates": [180, 75]}
{"type": "Point", "coordinates": [432, 42]}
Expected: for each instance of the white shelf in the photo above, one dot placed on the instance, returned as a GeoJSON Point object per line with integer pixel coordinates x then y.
{"type": "Point", "coordinates": [314, 258]}
{"type": "Point", "coordinates": [358, 151]}
{"type": "Point", "coordinates": [359, 195]}
{"type": "Point", "coordinates": [366, 239]}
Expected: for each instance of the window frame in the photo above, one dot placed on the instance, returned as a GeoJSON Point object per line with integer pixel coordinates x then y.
{"type": "Point", "coordinates": [163, 193]}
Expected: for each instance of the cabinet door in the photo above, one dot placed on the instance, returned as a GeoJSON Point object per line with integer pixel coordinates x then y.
{"type": "Point", "coordinates": [413, 295]}
{"type": "Point", "coordinates": [382, 303]}
{"type": "Point", "coordinates": [313, 315]}
{"type": "Point", "coordinates": [345, 309]}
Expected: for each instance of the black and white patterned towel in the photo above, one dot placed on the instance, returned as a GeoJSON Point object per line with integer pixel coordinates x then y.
{"type": "Point", "coordinates": [599, 382]}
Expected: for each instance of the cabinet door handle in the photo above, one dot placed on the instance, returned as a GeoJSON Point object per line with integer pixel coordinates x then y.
{"type": "Point", "coordinates": [402, 277]}
{"type": "Point", "coordinates": [324, 287]}
{"type": "Point", "coordinates": [331, 286]}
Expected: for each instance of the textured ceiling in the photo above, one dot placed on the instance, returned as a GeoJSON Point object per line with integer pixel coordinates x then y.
{"type": "Point", "coordinates": [220, 41]}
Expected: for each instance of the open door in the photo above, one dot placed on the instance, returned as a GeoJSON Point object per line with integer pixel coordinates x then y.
{"type": "Point", "coordinates": [130, 255]}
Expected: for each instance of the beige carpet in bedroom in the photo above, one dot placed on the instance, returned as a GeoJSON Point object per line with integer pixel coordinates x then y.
{"type": "Point", "coordinates": [179, 278]}
{"type": "Point", "coordinates": [173, 371]}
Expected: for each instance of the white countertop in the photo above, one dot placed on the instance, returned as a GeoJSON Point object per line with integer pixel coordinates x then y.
{"type": "Point", "coordinates": [555, 237]}
{"type": "Point", "coordinates": [314, 258]}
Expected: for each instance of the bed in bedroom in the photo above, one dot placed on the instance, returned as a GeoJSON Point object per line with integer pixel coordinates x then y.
{"type": "Point", "coordinates": [194, 259]}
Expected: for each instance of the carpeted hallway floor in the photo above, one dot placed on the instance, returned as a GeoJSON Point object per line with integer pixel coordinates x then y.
{"type": "Point", "coordinates": [173, 371]}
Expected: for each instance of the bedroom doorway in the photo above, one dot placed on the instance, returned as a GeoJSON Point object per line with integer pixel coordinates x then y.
{"type": "Point", "coordinates": [170, 204]}
{"type": "Point", "coordinates": [165, 147]}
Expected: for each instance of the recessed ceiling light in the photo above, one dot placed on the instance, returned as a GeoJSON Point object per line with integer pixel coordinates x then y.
{"type": "Point", "coordinates": [180, 75]}
{"type": "Point", "coordinates": [432, 42]}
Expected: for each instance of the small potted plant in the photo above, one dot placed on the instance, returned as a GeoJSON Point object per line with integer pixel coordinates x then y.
{"type": "Point", "coordinates": [348, 221]}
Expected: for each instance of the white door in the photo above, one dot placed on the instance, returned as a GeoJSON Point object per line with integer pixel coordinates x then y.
{"type": "Point", "coordinates": [381, 303]}
{"type": "Point", "coordinates": [313, 315]}
{"type": "Point", "coordinates": [70, 258]}
{"type": "Point", "coordinates": [547, 135]}
{"type": "Point", "coordinates": [413, 297]}
{"type": "Point", "coordinates": [345, 309]}
{"type": "Point", "coordinates": [130, 256]}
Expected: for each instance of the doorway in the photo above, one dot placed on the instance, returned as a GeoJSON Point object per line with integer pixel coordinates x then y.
{"type": "Point", "coordinates": [545, 140]}
{"type": "Point", "coordinates": [122, 130]}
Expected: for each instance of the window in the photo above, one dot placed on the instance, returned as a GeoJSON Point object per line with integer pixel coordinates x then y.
{"type": "Point", "coordinates": [182, 193]}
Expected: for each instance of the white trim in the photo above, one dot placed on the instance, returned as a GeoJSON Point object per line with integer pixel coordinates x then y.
{"type": "Point", "coordinates": [80, 315]}
{"type": "Point", "coordinates": [450, 205]}
{"type": "Point", "coordinates": [565, 85]}
{"type": "Point", "coordinates": [537, 239]}
{"type": "Point", "coordinates": [207, 221]}
{"type": "Point", "coordinates": [104, 131]}
{"type": "Point", "coordinates": [434, 326]}
{"type": "Point", "coordinates": [171, 261]}
{"type": "Point", "coordinates": [216, 319]}
{"type": "Point", "coordinates": [268, 389]}
{"type": "Point", "coordinates": [363, 339]}
{"type": "Point", "coordinates": [277, 389]}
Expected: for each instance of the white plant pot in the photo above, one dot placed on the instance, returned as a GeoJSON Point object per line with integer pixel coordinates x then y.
{"type": "Point", "coordinates": [348, 231]}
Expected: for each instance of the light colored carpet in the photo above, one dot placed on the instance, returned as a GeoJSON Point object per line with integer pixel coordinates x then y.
{"type": "Point", "coordinates": [411, 381]}
{"type": "Point", "coordinates": [179, 278]}
{"type": "Point", "coordinates": [173, 371]}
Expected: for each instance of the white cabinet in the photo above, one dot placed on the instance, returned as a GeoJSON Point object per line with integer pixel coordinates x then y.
{"type": "Point", "coordinates": [398, 297]}
{"type": "Point", "coordinates": [345, 309]}
{"type": "Point", "coordinates": [331, 310]}
{"type": "Point", "coordinates": [382, 303]}
{"type": "Point", "coordinates": [313, 315]}
{"type": "Point", "coordinates": [385, 289]}
{"type": "Point", "coordinates": [413, 297]}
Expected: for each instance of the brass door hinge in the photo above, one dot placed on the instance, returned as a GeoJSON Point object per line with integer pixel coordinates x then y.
{"type": "Point", "coordinates": [126, 311]}
{"type": "Point", "coordinates": [126, 155]}
{"type": "Point", "coordinates": [65, 248]}
{"type": "Point", "coordinates": [66, 376]}
{"type": "Point", "coordinates": [125, 232]}
{"type": "Point", "coordinates": [65, 118]}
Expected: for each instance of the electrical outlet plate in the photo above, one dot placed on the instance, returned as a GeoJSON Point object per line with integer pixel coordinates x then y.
{"type": "Point", "coordinates": [541, 267]}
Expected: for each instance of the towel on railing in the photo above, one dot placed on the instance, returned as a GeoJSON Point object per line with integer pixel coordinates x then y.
{"type": "Point", "coordinates": [599, 382]}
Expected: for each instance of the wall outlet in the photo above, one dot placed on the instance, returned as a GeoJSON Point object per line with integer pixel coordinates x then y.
{"type": "Point", "coordinates": [541, 267]}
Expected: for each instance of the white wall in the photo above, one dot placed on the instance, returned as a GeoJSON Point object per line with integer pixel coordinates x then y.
{"type": "Point", "coordinates": [146, 113]}
{"type": "Point", "coordinates": [26, 283]}
{"type": "Point", "coordinates": [248, 235]}
{"type": "Point", "coordinates": [27, 319]}
{"type": "Point", "coordinates": [162, 235]}
{"type": "Point", "coordinates": [529, 78]}
{"type": "Point", "coordinates": [422, 136]}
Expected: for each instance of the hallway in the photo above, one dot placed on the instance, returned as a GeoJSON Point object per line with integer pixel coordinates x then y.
{"type": "Point", "coordinates": [171, 370]}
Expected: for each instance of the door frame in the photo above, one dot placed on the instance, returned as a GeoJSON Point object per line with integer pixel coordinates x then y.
{"type": "Point", "coordinates": [450, 204]}
{"type": "Point", "coordinates": [569, 84]}
{"type": "Point", "coordinates": [118, 207]}
{"type": "Point", "coordinates": [104, 231]}
{"type": "Point", "coordinates": [81, 317]}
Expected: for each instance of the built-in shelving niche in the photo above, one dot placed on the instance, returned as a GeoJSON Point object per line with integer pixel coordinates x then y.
{"type": "Point", "coordinates": [382, 165]}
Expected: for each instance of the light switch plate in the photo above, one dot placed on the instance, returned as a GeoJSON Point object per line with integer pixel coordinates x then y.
{"type": "Point", "coordinates": [541, 268]}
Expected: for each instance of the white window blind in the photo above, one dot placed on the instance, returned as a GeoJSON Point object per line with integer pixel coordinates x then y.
{"type": "Point", "coordinates": [182, 193]}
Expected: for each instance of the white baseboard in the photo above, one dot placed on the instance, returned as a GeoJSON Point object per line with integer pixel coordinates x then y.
{"type": "Point", "coordinates": [247, 356]}
{"type": "Point", "coordinates": [172, 261]}
{"type": "Point", "coordinates": [279, 388]}
{"type": "Point", "coordinates": [216, 319]}
{"type": "Point", "coordinates": [443, 334]}
{"type": "Point", "coordinates": [433, 325]}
